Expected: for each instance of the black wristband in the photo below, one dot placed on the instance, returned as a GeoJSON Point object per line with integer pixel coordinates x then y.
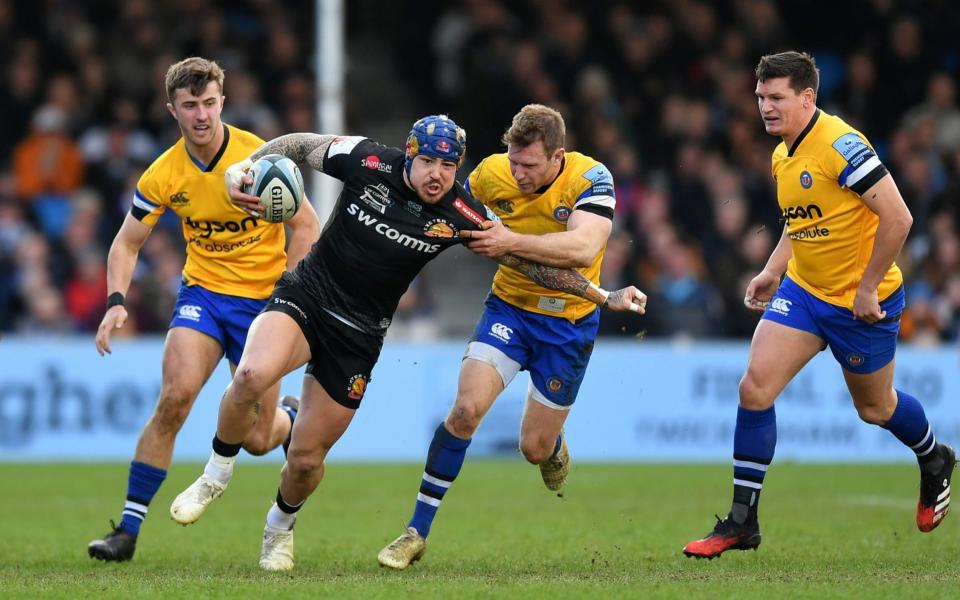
{"type": "Point", "coordinates": [114, 299]}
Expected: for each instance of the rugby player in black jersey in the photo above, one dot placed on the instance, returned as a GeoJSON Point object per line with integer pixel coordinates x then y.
{"type": "Point", "coordinates": [398, 210]}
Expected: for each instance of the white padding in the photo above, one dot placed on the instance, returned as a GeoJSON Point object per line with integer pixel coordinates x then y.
{"type": "Point", "coordinates": [485, 353]}
{"type": "Point", "coordinates": [534, 394]}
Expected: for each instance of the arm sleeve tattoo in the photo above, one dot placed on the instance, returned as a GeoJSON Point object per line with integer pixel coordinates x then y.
{"type": "Point", "coordinates": [307, 148]}
{"type": "Point", "coordinates": [570, 281]}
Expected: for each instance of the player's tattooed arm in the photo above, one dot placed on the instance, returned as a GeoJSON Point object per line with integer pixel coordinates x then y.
{"type": "Point", "coordinates": [573, 282]}
{"type": "Point", "coordinates": [308, 148]}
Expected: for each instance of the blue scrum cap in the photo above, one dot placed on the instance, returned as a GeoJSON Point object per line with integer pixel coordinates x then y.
{"type": "Point", "coordinates": [438, 136]}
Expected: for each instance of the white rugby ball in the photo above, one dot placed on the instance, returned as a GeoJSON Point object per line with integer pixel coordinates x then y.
{"type": "Point", "coordinates": [279, 184]}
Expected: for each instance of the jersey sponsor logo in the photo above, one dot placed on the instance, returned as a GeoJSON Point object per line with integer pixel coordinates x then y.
{"type": "Point", "coordinates": [440, 228]}
{"type": "Point", "coordinates": [377, 197]}
{"type": "Point", "coordinates": [466, 211]}
{"type": "Point", "coordinates": [293, 305]}
{"type": "Point", "coordinates": [809, 211]}
{"type": "Point", "coordinates": [561, 213]}
{"type": "Point", "coordinates": [551, 304]}
{"type": "Point", "coordinates": [373, 163]}
{"type": "Point", "coordinates": [179, 198]}
{"type": "Point", "coordinates": [413, 208]}
{"type": "Point", "coordinates": [780, 306]}
{"type": "Point", "coordinates": [343, 145]}
{"type": "Point", "coordinates": [357, 387]}
{"type": "Point", "coordinates": [806, 180]}
{"type": "Point", "coordinates": [191, 312]}
{"type": "Point", "coordinates": [384, 229]}
{"type": "Point", "coordinates": [810, 233]}
{"type": "Point", "coordinates": [208, 228]}
{"type": "Point", "coordinates": [501, 332]}
{"type": "Point", "coordinates": [226, 246]}
{"type": "Point", "coordinates": [505, 206]}
{"type": "Point", "coordinates": [853, 149]}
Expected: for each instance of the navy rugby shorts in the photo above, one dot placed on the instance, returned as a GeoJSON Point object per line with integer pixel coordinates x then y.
{"type": "Point", "coordinates": [554, 350]}
{"type": "Point", "coordinates": [858, 346]}
{"type": "Point", "coordinates": [224, 318]}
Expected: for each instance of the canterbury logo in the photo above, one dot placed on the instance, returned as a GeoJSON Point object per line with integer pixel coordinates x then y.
{"type": "Point", "coordinates": [179, 198]}
{"type": "Point", "coordinates": [190, 311]}
{"type": "Point", "coordinates": [780, 305]}
{"type": "Point", "coordinates": [501, 332]}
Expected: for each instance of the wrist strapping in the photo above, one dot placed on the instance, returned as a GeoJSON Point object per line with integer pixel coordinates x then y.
{"type": "Point", "coordinates": [603, 292]}
{"type": "Point", "coordinates": [114, 299]}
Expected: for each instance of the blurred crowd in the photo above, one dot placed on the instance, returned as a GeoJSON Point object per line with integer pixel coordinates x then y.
{"type": "Point", "coordinates": [660, 91]}
{"type": "Point", "coordinates": [84, 112]}
{"type": "Point", "coordinates": [663, 93]}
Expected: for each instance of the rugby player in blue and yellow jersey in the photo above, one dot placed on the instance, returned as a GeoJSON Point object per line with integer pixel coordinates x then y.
{"type": "Point", "coordinates": [233, 260]}
{"type": "Point", "coordinates": [554, 208]}
{"type": "Point", "coordinates": [830, 282]}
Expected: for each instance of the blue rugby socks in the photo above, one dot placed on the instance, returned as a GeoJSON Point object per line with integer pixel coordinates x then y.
{"type": "Point", "coordinates": [142, 485]}
{"type": "Point", "coordinates": [444, 460]}
{"type": "Point", "coordinates": [909, 425]}
{"type": "Point", "coordinates": [754, 442]}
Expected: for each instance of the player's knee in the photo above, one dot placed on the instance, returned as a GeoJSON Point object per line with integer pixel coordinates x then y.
{"type": "Point", "coordinates": [303, 466]}
{"type": "Point", "coordinates": [536, 450]}
{"type": "Point", "coordinates": [753, 394]}
{"type": "Point", "coordinates": [257, 445]}
{"type": "Point", "coordinates": [872, 413]}
{"type": "Point", "coordinates": [250, 381]}
{"type": "Point", "coordinates": [172, 409]}
{"type": "Point", "coordinates": [463, 420]}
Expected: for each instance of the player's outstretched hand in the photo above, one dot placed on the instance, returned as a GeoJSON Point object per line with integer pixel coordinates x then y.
{"type": "Point", "coordinates": [114, 319]}
{"type": "Point", "coordinates": [236, 177]}
{"type": "Point", "coordinates": [494, 240]}
{"type": "Point", "coordinates": [760, 290]}
{"type": "Point", "coordinates": [627, 299]}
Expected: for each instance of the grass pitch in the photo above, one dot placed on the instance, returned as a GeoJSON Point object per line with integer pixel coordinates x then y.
{"type": "Point", "coordinates": [828, 532]}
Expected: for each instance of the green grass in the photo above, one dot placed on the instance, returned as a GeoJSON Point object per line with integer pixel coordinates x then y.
{"type": "Point", "coordinates": [828, 532]}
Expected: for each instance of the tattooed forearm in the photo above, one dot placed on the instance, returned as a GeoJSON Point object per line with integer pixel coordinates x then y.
{"type": "Point", "coordinates": [570, 281]}
{"type": "Point", "coordinates": [299, 147]}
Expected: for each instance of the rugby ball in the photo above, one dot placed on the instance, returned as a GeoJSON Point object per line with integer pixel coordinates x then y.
{"type": "Point", "coordinates": [279, 184]}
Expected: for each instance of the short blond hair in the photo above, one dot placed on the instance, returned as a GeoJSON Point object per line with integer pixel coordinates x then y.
{"type": "Point", "coordinates": [536, 122]}
{"type": "Point", "coordinates": [192, 74]}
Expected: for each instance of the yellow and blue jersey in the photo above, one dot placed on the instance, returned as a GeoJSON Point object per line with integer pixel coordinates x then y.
{"type": "Point", "coordinates": [831, 230]}
{"type": "Point", "coordinates": [583, 184]}
{"type": "Point", "coordinates": [228, 251]}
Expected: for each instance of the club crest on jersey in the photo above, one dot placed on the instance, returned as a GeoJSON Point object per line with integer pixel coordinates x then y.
{"type": "Point", "coordinates": [377, 197]}
{"type": "Point", "coordinates": [806, 180]}
{"type": "Point", "coordinates": [357, 387]}
{"type": "Point", "coordinates": [554, 384]}
{"type": "Point", "coordinates": [179, 198]}
{"type": "Point", "coordinates": [561, 213]}
{"type": "Point", "coordinates": [855, 360]}
{"type": "Point", "coordinates": [373, 163]}
{"type": "Point", "coordinates": [505, 206]}
{"type": "Point", "coordinates": [466, 211]}
{"type": "Point", "coordinates": [440, 228]}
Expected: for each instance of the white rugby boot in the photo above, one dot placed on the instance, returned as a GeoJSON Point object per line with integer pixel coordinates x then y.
{"type": "Point", "coordinates": [190, 504]}
{"type": "Point", "coordinates": [276, 554]}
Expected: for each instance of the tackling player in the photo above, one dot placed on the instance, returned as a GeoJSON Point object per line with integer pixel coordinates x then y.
{"type": "Point", "coordinates": [553, 207]}
{"type": "Point", "coordinates": [845, 222]}
{"type": "Point", "coordinates": [233, 260]}
{"type": "Point", "coordinates": [399, 209]}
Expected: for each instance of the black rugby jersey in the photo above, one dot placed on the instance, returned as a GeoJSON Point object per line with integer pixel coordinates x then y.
{"type": "Point", "coordinates": [379, 235]}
